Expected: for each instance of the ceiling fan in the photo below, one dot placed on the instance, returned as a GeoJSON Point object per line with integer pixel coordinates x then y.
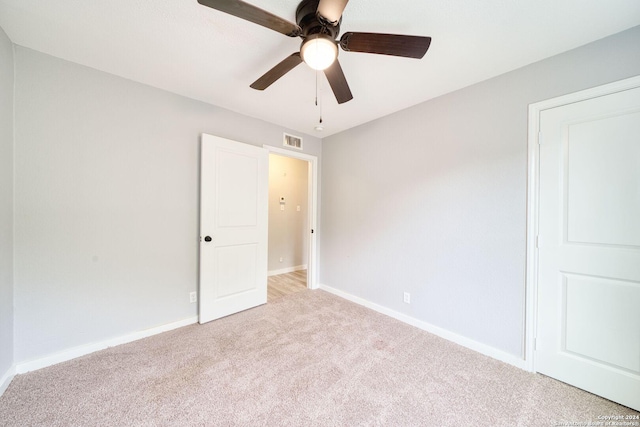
{"type": "Point", "coordinates": [318, 24]}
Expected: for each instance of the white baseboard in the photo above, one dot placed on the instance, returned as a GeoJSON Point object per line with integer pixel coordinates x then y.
{"type": "Point", "coordinates": [6, 379]}
{"type": "Point", "coordinates": [443, 333]}
{"type": "Point", "coordinates": [286, 270]}
{"type": "Point", "coordinates": [82, 350]}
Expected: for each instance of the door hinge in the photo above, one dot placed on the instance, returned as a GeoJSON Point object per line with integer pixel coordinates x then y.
{"type": "Point", "coordinates": [538, 241]}
{"type": "Point", "coordinates": [535, 343]}
{"type": "Point", "coordinates": [539, 138]}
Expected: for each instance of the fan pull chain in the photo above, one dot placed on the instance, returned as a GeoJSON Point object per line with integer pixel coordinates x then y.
{"type": "Point", "coordinates": [319, 127]}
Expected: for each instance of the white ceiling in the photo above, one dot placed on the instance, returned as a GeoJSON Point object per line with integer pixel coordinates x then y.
{"type": "Point", "coordinates": [189, 49]}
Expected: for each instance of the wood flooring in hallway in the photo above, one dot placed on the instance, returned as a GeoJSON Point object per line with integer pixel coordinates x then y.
{"type": "Point", "coordinates": [285, 284]}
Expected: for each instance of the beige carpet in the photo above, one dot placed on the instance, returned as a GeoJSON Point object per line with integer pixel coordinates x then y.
{"type": "Point", "coordinates": [307, 359]}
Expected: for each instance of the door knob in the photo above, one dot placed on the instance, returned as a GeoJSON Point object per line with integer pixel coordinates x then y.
{"type": "Point", "coordinates": [207, 239]}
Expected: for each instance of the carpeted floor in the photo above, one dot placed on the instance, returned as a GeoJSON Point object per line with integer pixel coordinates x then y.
{"type": "Point", "coordinates": [307, 359]}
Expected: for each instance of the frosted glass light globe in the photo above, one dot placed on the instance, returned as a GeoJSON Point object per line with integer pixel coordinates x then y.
{"type": "Point", "coordinates": [319, 51]}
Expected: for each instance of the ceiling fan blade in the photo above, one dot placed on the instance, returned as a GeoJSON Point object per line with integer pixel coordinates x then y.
{"type": "Point", "coordinates": [288, 64]}
{"type": "Point", "coordinates": [338, 82]}
{"type": "Point", "coordinates": [254, 14]}
{"type": "Point", "coordinates": [331, 10]}
{"type": "Point", "coordinates": [386, 44]}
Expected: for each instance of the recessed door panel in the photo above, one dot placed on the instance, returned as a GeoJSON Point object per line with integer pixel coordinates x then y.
{"type": "Point", "coordinates": [603, 191]}
{"type": "Point", "coordinates": [602, 321]}
{"type": "Point", "coordinates": [238, 181]}
{"type": "Point", "coordinates": [235, 269]}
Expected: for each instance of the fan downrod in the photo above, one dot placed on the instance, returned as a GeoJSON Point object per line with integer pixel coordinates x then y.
{"type": "Point", "coordinates": [312, 23]}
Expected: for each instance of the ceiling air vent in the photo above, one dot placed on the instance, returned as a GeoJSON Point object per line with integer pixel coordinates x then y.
{"type": "Point", "coordinates": [292, 141]}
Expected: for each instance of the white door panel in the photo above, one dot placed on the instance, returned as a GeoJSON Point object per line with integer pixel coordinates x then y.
{"type": "Point", "coordinates": [233, 227]}
{"type": "Point", "coordinates": [236, 203]}
{"type": "Point", "coordinates": [602, 180]}
{"type": "Point", "coordinates": [601, 319]}
{"type": "Point", "coordinates": [588, 330]}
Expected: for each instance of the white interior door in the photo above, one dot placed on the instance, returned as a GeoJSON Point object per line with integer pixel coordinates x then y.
{"type": "Point", "coordinates": [588, 332]}
{"type": "Point", "coordinates": [233, 227]}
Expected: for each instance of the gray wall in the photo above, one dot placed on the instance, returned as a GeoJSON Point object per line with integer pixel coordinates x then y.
{"type": "Point", "coordinates": [288, 230]}
{"type": "Point", "coordinates": [6, 204]}
{"type": "Point", "coordinates": [106, 202]}
{"type": "Point", "coordinates": [432, 200]}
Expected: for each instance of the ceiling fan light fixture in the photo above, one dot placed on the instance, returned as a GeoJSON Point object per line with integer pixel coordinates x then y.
{"type": "Point", "coordinates": [319, 51]}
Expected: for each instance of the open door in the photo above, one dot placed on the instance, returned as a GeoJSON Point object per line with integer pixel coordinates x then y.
{"type": "Point", "coordinates": [589, 246]}
{"type": "Point", "coordinates": [233, 227]}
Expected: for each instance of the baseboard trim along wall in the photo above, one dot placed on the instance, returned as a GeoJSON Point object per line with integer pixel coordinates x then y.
{"type": "Point", "coordinates": [286, 270]}
{"type": "Point", "coordinates": [6, 379]}
{"type": "Point", "coordinates": [442, 333]}
{"type": "Point", "coordinates": [82, 350]}
{"type": "Point", "coordinates": [75, 352]}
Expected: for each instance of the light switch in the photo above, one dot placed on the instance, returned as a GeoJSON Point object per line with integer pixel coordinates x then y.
{"type": "Point", "coordinates": [281, 207]}
{"type": "Point", "coordinates": [298, 208]}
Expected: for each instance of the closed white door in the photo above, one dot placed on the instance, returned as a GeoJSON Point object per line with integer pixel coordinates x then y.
{"type": "Point", "coordinates": [588, 331]}
{"type": "Point", "coordinates": [233, 227]}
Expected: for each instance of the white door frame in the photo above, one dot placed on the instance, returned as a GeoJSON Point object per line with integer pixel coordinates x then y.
{"type": "Point", "coordinates": [533, 188]}
{"type": "Point", "coordinates": [312, 208]}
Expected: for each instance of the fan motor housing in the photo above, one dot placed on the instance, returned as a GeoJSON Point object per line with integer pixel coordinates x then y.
{"type": "Point", "coordinates": [312, 23]}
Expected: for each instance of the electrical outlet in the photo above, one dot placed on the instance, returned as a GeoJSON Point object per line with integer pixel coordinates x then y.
{"type": "Point", "coordinates": [193, 297]}
{"type": "Point", "coordinates": [281, 259]}
{"type": "Point", "coordinates": [407, 297]}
